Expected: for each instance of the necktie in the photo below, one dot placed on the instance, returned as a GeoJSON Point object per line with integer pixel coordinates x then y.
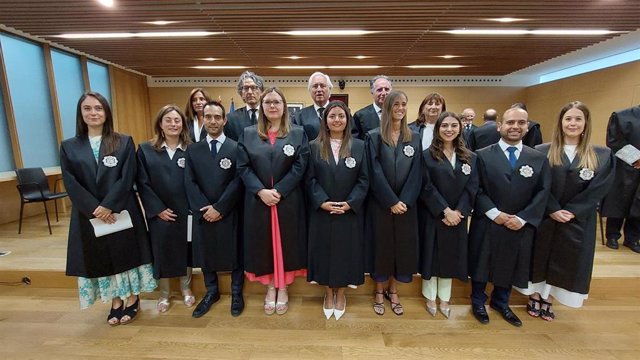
{"type": "Point", "coordinates": [214, 148]}
{"type": "Point", "coordinates": [380, 113]}
{"type": "Point", "coordinates": [320, 111]}
{"type": "Point", "coordinates": [254, 119]}
{"type": "Point", "coordinates": [512, 156]}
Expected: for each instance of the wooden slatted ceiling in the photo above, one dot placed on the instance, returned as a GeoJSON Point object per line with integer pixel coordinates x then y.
{"type": "Point", "coordinates": [409, 33]}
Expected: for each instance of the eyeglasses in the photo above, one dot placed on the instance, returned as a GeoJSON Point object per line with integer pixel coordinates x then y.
{"type": "Point", "coordinates": [269, 103]}
{"type": "Point", "coordinates": [247, 88]}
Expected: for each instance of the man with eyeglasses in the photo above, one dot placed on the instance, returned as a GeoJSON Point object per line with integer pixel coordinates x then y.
{"type": "Point", "coordinates": [319, 87]}
{"type": "Point", "coordinates": [368, 117]}
{"type": "Point", "coordinates": [250, 88]}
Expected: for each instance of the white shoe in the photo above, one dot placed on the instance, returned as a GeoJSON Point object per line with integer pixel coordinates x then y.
{"type": "Point", "coordinates": [338, 313]}
{"type": "Point", "coordinates": [327, 312]}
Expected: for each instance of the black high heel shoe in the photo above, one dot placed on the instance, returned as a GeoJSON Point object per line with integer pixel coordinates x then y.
{"type": "Point", "coordinates": [115, 314]}
{"type": "Point", "coordinates": [131, 312]}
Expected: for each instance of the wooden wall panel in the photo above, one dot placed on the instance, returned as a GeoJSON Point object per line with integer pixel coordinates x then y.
{"type": "Point", "coordinates": [131, 100]}
{"type": "Point", "coordinates": [603, 91]}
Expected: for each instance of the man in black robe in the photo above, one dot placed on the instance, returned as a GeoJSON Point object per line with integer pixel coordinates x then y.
{"type": "Point", "coordinates": [213, 189]}
{"type": "Point", "coordinates": [622, 204]}
{"type": "Point", "coordinates": [515, 181]}
{"type": "Point", "coordinates": [319, 87]}
{"type": "Point", "coordinates": [368, 117]}
{"type": "Point", "coordinates": [250, 87]}
{"type": "Point", "coordinates": [484, 135]}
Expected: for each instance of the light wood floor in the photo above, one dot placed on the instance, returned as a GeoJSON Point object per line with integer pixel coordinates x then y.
{"type": "Point", "coordinates": [43, 321]}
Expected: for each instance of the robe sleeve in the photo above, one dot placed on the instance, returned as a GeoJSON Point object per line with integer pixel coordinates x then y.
{"type": "Point", "coordinates": [315, 192]}
{"type": "Point", "coordinates": [534, 212]}
{"type": "Point", "coordinates": [81, 198]}
{"type": "Point", "coordinates": [153, 205]}
{"type": "Point", "coordinates": [588, 199]}
{"type": "Point", "coordinates": [229, 198]}
{"type": "Point", "coordinates": [296, 173]}
{"type": "Point", "coordinates": [483, 201]}
{"type": "Point", "coordinates": [466, 201]}
{"type": "Point", "coordinates": [359, 192]}
{"type": "Point", "coordinates": [412, 187]}
{"type": "Point", "coordinates": [116, 198]}
{"type": "Point", "coordinates": [379, 185]}
{"type": "Point", "coordinates": [430, 196]}
{"type": "Point", "coordinates": [195, 196]}
{"type": "Point", "coordinates": [251, 181]}
{"type": "Point", "coordinates": [616, 137]}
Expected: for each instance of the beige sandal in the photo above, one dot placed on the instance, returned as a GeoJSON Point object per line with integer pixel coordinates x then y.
{"type": "Point", "coordinates": [163, 305]}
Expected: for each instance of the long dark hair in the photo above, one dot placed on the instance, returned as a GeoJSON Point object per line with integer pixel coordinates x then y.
{"type": "Point", "coordinates": [324, 137]}
{"type": "Point", "coordinates": [437, 145]}
{"type": "Point", "coordinates": [158, 135]}
{"type": "Point", "coordinates": [188, 109]}
{"type": "Point", "coordinates": [110, 139]}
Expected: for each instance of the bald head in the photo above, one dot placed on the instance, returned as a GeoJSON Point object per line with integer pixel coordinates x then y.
{"type": "Point", "coordinates": [490, 115]}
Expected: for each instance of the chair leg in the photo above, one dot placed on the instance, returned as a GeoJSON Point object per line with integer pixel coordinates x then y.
{"type": "Point", "coordinates": [601, 228]}
{"type": "Point", "coordinates": [21, 209]}
{"type": "Point", "coordinates": [55, 203]}
{"type": "Point", "coordinates": [46, 212]}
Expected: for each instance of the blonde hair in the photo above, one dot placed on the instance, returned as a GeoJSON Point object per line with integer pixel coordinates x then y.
{"type": "Point", "coordinates": [584, 150]}
{"type": "Point", "coordinates": [386, 122]}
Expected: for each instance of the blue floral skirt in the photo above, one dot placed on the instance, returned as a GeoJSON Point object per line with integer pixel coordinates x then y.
{"type": "Point", "coordinates": [123, 285]}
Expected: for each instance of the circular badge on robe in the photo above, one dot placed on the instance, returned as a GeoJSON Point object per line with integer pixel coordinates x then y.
{"type": "Point", "coordinates": [526, 171]}
{"type": "Point", "coordinates": [586, 174]}
{"type": "Point", "coordinates": [350, 162]}
{"type": "Point", "coordinates": [466, 169]}
{"type": "Point", "coordinates": [225, 164]}
{"type": "Point", "coordinates": [181, 162]}
{"type": "Point", "coordinates": [288, 150]}
{"type": "Point", "coordinates": [110, 161]}
{"type": "Point", "coordinates": [408, 150]}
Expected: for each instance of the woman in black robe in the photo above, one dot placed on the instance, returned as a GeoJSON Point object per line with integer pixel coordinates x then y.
{"type": "Point", "coordinates": [450, 186]}
{"type": "Point", "coordinates": [272, 159]}
{"type": "Point", "coordinates": [161, 164]}
{"type": "Point", "coordinates": [565, 241]}
{"type": "Point", "coordinates": [337, 184]}
{"type": "Point", "coordinates": [391, 232]}
{"type": "Point", "coordinates": [99, 169]}
{"type": "Point", "coordinates": [193, 111]}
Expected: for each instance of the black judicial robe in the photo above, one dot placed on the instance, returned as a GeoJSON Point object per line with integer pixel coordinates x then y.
{"type": "Point", "coordinates": [624, 200]}
{"type": "Point", "coordinates": [260, 164]}
{"type": "Point", "coordinates": [533, 137]}
{"type": "Point", "coordinates": [308, 118]}
{"type": "Point", "coordinates": [563, 252]}
{"type": "Point", "coordinates": [466, 134]}
{"type": "Point", "coordinates": [237, 121]}
{"type": "Point", "coordinates": [192, 131]}
{"type": "Point", "coordinates": [443, 249]}
{"type": "Point", "coordinates": [391, 241]}
{"type": "Point", "coordinates": [90, 184]}
{"type": "Point", "coordinates": [365, 119]}
{"type": "Point", "coordinates": [497, 254]}
{"type": "Point", "coordinates": [161, 186]}
{"type": "Point", "coordinates": [214, 181]}
{"type": "Point", "coordinates": [336, 248]}
{"type": "Point", "coordinates": [483, 136]}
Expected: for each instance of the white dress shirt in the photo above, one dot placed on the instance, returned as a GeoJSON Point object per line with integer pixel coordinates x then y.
{"type": "Point", "coordinates": [220, 140]}
{"type": "Point", "coordinates": [171, 151]}
{"type": "Point", "coordinates": [494, 213]}
{"type": "Point", "coordinates": [427, 135]}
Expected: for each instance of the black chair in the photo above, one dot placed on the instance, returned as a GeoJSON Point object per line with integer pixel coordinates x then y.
{"type": "Point", "coordinates": [34, 187]}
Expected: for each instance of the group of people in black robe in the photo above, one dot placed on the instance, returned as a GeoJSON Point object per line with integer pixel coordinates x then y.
{"type": "Point", "coordinates": [249, 192]}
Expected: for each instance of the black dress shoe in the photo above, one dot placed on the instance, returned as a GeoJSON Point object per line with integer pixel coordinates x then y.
{"type": "Point", "coordinates": [480, 313]}
{"type": "Point", "coordinates": [508, 315]}
{"type": "Point", "coordinates": [634, 246]}
{"type": "Point", "coordinates": [237, 304]}
{"type": "Point", "coordinates": [612, 243]}
{"type": "Point", "coordinates": [204, 305]}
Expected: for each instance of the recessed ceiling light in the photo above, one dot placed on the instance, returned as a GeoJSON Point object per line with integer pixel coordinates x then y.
{"type": "Point", "coordinates": [160, 22]}
{"type": "Point", "coordinates": [107, 3]}
{"type": "Point", "coordinates": [506, 19]}
{"type": "Point", "coordinates": [304, 67]}
{"type": "Point", "coordinates": [298, 67]}
{"type": "Point", "coordinates": [448, 56]}
{"type": "Point", "coordinates": [209, 59]}
{"type": "Point", "coordinates": [580, 32]}
{"type": "Point", "coordinates": [293, 57]}
{"type": "Point", "coordinates": [434, 66]}
{"type": "Point", "coordinates": [326, 32]}
{"type": "Point", "coordinates": [360, 57]}
{"type": "Point", "coordinates": [141, 34]}
{"type": "Point", "coordinates": [355, 67]}
{"type": "Point", "coordinates": [220, 67]}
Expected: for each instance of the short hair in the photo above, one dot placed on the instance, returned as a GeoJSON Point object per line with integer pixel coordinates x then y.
{"type": "Point", "coordinates": [318, 73]}
{"type": "Point", "coordinates": [376, 78]}
{"type": "Point", "coordinates": [490, 115]}
{"type": "Point", "coordinates": [215, 103]}
{"type": "Point", "coordinates": [250, 75]}
{"type": "Point", "coordinates": [519, 105]}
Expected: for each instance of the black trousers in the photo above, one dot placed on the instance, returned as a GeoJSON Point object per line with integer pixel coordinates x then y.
{"type": "Point", "coordinates": [211, 281]}
{"type": "Point", "coordinates": [499, 295]}
{"type": "Point", "coordinates": [631, 229]}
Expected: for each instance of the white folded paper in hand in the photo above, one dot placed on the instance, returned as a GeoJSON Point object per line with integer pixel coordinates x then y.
{"type": "Point", "coordinates": [628, 154]}
{"type": "Point", "coordinates": [123, 222]}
